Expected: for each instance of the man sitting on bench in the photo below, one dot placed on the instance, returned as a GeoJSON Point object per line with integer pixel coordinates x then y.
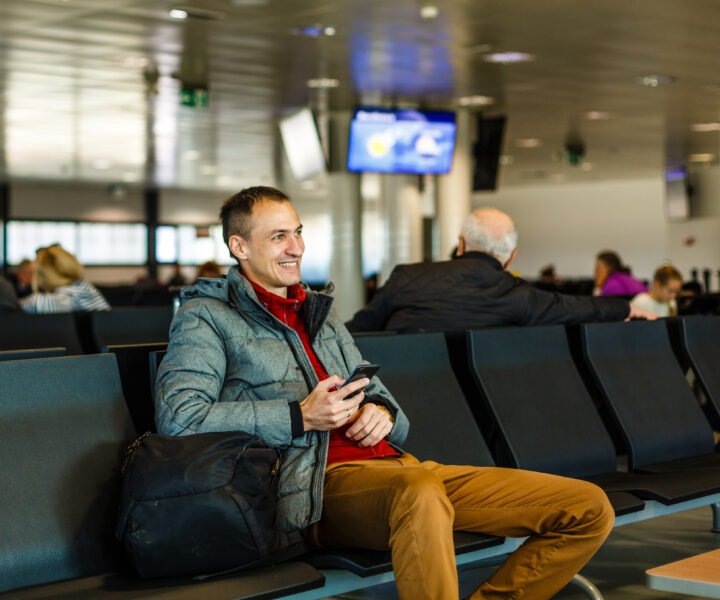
{"type": "Point", "coordinates": [258, 352]}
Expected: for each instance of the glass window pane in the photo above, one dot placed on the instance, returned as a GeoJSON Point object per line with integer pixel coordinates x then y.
{"type": "Point", "coordinates": [112, 243]}
{"type": "Point", "coordinates": [24, 237]}
{"type": "Point", "coordinates": [166, 238]}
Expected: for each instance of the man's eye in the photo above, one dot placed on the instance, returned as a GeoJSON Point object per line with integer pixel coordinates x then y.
{"type": "Point", "coordinates": [298, 233]}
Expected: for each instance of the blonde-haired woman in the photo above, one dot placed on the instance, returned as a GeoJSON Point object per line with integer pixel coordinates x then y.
{"type": "Point", "coordinates": [59, 286]}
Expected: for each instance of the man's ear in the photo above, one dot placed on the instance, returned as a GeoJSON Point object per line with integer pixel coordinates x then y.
{"type": "Point", "coordinates": [509, 260]}
{"type": "Point", "coordinates": [461, 246]}
{"type": "Point", "coordinates": [238, 246]}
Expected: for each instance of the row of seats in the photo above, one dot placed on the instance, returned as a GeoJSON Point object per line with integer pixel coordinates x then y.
{"type": "Point", "coordinates": [85, 332]}
{"type": "Point", "coordinates": [64, 423]}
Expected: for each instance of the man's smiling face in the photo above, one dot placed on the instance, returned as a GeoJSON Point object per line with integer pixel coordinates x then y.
{"type": "Point", "coordinates": [272, 252]}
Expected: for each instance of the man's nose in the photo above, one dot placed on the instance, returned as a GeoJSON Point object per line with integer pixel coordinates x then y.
{"type": "Point", "coordinates": [296, 247]}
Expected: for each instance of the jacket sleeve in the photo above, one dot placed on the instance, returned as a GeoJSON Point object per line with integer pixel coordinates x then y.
{"type": "Point", "coordinates": [543, 308]}
{"type": "Point", "coordinates": [376, 314]}
{"type": "Point", "coordinates": [375, 391]}
{"type": "Point", "coordinates": [191, 377]}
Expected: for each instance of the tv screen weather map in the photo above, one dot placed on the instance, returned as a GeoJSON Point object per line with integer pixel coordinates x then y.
{"type": "Point", "coordinates": [401, 141]}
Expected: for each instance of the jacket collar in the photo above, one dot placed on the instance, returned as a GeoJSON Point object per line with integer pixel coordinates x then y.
{"type": "Point", "coordinates": [237, 291]}
{"type": "Point", "coordinates": [484, 256]}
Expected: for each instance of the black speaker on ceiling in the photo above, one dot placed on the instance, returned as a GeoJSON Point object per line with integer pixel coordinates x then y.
{"type": "Point", "coordinates": [488, 145]}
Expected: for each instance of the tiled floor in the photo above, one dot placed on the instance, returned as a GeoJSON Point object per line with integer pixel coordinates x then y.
{"type": "Point", "coordinates": [618, 569]}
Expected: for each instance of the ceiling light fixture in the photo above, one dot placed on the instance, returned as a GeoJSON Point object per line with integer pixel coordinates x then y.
{"type": "Point", "coordinates": [429, 11]}
{"type": "Point", "coordinates": [475, 101]}
{"type": "Point", "coordinates": [330, 31]}
{"type": "Point", "coordinates": [705, 127]}
{"type": "Point", "coordinates": [506, 58]}
{"type": "Point", "coordinates": [597, 115]}
{"type": "Point", "coordinates": [528, 142]}
{"type": "Point", "coordinates": [323, 83]}
{"type": "Point", "coordinates": [178, 13]}
{"type": "Point", "coordinates": [655, 80]}
{"type": "Point", "coordinates": [701, 158]}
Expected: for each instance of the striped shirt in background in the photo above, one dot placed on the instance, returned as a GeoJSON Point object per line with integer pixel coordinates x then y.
{"type": "Point", "coordinates": [77, 296]}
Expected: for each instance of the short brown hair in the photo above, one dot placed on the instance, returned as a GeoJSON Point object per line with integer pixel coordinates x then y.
{"type": "Point", "coordinates": [236, 210]}
{"type": "Point", "coordinates": [667, 272]}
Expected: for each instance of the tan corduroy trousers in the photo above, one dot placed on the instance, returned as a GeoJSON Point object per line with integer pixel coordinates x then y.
{"type": "Point", "coordinates": [412, 508]}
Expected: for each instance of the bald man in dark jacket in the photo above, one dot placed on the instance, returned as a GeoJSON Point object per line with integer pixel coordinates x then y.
{"type": "Point", "coordinates": [475, 290]}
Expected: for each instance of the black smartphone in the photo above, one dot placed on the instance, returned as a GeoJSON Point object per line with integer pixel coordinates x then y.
{"type": "Point", "coordinates": [359, 372]}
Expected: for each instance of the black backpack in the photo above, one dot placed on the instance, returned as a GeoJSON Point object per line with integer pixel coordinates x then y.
{"type": "Point", "coordinates": [201, 504]}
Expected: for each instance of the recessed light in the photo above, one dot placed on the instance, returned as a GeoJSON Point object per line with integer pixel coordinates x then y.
{"type": "Point", "coordinates": [323, 83]}
{"type": "Point", "coordinates": [597, 115]}
{"type": "Point", "coordinates": [178, 13]}
{"type": "Point", "coordinates": [475, 101]}
{"type": "Point", "coordinates": [705, 127]}
{"type": "Point", "coordinates": [329, 31]}
{"type": "Point", "coordinates": [506, 159]}
{"type": "Point", "coordinates": [507, 58]}
{"type": "Point", "coordinates": [701, 158]}
{"type": "Point", "coordinates": [655, 80]}
{"type": "Point", "coordinates": [528, 142]}
{"type": "Point", "coordinates": [429, 11]}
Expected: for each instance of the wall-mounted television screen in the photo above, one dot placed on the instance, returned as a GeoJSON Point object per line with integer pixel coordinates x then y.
{"type": "Point", "coordinates": [401, 141]}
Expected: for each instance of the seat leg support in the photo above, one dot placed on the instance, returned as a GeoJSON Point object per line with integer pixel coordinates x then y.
{"type": "Point", "coordinates": [587, 586]}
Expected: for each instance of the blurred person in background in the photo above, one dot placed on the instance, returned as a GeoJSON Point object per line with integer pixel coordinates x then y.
{"type": "Point", "coordinates": [21, 278]}
{"type": "Point", "coordinates": [667, 284]}
{"type": "Point", "coordinates": [178, 279]}
{"type": "Point", "coordinates": [8, 298]}
{"type": "Point", "coordinates": [612, 278]}
{"type": "Point", "coordinates": [209, 269]}
{"type": "Point", "coordinates": [59, 285]}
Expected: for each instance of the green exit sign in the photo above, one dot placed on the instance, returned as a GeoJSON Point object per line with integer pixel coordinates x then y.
{"type": "Point", "coordinates": [194, 98]}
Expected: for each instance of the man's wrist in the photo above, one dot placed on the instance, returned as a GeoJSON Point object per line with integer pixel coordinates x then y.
{"type": "Point", "coordinates": [386, 410]}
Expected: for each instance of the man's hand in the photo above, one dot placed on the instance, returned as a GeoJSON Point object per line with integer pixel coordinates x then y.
{"type": "Point", "coordinates": [640, 313]}
{"type": "Point", "coordinates": [326, 408]}
{"type": "Point", "coordinates": [370, 426]}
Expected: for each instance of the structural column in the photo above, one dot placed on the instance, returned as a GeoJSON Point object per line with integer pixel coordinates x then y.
{"type": "Point", "coordinates": [455, 188]}
{"type": "Point", "coordinates": [345, 205]}
{"type": "Point", "coordinates": [402, 222]}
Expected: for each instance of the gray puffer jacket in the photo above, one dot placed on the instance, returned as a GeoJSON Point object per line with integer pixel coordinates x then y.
{"type": "Point", "coordinates": [231, 365]}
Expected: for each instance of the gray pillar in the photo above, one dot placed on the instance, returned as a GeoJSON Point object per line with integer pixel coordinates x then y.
{"type": "Point", "coordinates": [455, 188]}
{"type": "Point", "coordinates": [345, 205]}
{"type": "Point", "coordinates": [402, 222]}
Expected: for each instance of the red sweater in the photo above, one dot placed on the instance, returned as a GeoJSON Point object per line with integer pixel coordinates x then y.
{"type": "Point", "coordinates": [287, 310]}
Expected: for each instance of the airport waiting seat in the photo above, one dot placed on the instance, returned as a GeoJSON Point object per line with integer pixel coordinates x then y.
{"type": "Point", "coordinates": [646, 390]}
{"type": "Point", "coordinates": [64, 427]}
{"type": "Point", "coordinates": [545, 419]}
{"type": "Point", "coordinates": [22, 331]}
{"type": "Point", "coordinates": [416, 369]}
{"type": "Point", "coordinates": [696, 341]}
{"type": "Point", "coordinates": [122, 326]}
{"type": "Point", "coordinates": [137, 379]}
{"type": "Point", "coordinates": [32, 353]}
